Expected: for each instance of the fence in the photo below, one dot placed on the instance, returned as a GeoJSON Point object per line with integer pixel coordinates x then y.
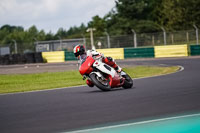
{"type": "Point", "coordinates": [123, 41]}
{"type": "Point", "coordinates": [57, 45]}
{"type": "Point", "coordinates": [4, 50]}
{"type": "Point", "coordinates": [146, 39]}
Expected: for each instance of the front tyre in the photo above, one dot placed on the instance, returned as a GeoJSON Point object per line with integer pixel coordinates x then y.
{"type": "Point", "coordinates": [128, 82]}
{"type": "Point", "coordinates": [101, 84]}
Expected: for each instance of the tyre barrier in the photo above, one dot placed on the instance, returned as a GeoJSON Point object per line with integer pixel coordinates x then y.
{"type": "Point", "coordinates": [21, 58]}
{"type": "Point", "coordinates": [38, 57]}
{"type": "Point", "coordinates": [17, 59]}
{"type": "Point", "coordinates": [29, 58]}
{"type": "Point", "coordinates": [6, 60]}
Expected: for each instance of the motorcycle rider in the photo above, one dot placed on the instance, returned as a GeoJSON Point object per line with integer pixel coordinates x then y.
{"type": "Point", "coordinates": [81, 54]}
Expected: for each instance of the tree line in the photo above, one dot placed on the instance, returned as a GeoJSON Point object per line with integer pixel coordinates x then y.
{"type": "Point", "coordinates": [144, 16]}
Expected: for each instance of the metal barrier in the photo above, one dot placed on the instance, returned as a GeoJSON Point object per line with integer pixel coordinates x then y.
{"type": "Point", "coordinates": [194, 50]}
{"type": "Point", "coordinates": [56, 56]}
{"type": "Point", "coordinates": [147, 52]}
{"type": "Point", "coordinates": [171, 51]}
{"type": "Point", "coordinates": [69, 56]}
{"type": "Point", "coordinates": [115, 53]}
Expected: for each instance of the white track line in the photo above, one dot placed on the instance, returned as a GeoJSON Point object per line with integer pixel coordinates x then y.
{"type": "Point", "coordinates": [181, 69]}
{"type": "Point", "coordinates": [132, 124]}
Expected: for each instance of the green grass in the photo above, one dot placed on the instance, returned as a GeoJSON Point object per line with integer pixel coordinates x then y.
{"type": "Point", "coordinates": [41, 81]}
{"type": "Point", "coordinates": [146, 71]}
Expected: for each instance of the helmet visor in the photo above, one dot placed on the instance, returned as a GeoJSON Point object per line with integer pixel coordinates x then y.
{"type": "Point", "coordinates": [76, 54]}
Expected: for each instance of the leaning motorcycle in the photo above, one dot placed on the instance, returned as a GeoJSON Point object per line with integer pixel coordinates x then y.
{"type": "Point", "coordinates": [102, 75]}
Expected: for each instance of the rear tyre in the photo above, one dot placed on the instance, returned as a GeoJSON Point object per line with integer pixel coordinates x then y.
{"type": "Point", "coordinates": [102, 86]}
{"type": "Point", "coordinates": [128, 82]}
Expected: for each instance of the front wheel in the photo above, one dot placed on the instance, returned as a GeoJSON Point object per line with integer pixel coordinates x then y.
{"type": "Point", "coordinates": [128, 82]}
{"type": "Point", "coordinates": [101, 84]}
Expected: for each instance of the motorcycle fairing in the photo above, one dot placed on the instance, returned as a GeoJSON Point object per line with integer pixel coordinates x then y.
{"type": "Point", "coordinates": [86, 67]}
{"type": "Point", "coordinates": [113, 76]}
{"type": "Point", "coordinates": [104, 68]}
{"type": "Point", "coordinates": [115, 81]}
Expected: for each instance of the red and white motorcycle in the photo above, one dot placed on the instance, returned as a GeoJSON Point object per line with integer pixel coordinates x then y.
{"type": "Point", "coordinates": [102, 75]}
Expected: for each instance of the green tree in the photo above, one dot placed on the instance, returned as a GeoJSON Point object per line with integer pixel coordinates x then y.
{"type": "Point", "coordinates": [61, 33]}
{"type": "Point", "coordinates": [177, 14]}
{"type": "Point", "coordinates": [169, 14]}
{"type": "Point", "coordinates": [133, 9]}
{"type": "Point", "coordinates": [11, 28]}
{"type": "Point", "coordinates": [191, 13]}
{"type": "Point", "coordinates": [76, 32]}
{"type": "Point", "coordinates": [99, 24]}
{"type": "Point", "coordinates": [132, 14]}
{"type": "Point", "coordinates": [41, 36]}
{"type": "Point", "coordinates": [49, 36]}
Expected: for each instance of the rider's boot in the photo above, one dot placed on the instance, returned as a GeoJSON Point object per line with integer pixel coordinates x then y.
{"type": "Point", "coordinates": [118, 69]}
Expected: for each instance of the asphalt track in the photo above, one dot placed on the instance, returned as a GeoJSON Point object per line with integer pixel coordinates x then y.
{"type": "Point", "coordinates": [82, 107]}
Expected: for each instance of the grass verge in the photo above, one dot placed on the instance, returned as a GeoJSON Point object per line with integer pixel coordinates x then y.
{"type": "Point", "coordinates": [41, 81]}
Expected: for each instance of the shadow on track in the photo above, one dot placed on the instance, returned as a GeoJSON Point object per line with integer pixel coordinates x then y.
{"type": "Point", "coordinates": [115, 89]}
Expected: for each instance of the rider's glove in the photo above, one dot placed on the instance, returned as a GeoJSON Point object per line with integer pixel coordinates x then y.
{"type": "Point", "coordinates": [94, 53]}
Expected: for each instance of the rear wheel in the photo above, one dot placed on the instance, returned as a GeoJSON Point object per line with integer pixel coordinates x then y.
{"type": "Point", "coordinates": [101, 84]}
{"type": "Point", "coordinates": [128, 82]}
